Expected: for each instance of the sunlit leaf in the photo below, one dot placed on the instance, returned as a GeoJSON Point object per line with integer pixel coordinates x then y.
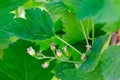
{"type": "Point", "coordinates": [37, 26]}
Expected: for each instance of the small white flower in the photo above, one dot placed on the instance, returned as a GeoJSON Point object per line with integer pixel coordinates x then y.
{"type": "Point", "coordinates": [45, 65]}
{"type": "Point", "coordinates": [52, 46]}
{"type": "Point", "coordinates": [83, 57]}
{"type": "Point", "coordinates": [88, 47]}
{"type": "Point", "coordinates": [58, 52]}
{"type": "Point", "coordinates": [31, 51]}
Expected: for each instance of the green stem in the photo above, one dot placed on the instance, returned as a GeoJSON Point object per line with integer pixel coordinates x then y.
{"type": "Point", "coordinates": [53, 58]}
{"type": "Point", "coordinates": [47, 58]}
{"type": "Point", "coordinates": [54, 53]}
{"type": "Point", "coordinates": [68, 45]}
{"type": "Point", "coordinates": [82, 26]}
{"type": "Point", "coordinates": [93, 32]}
{"type": "Point", "coordinates": [70, 61]}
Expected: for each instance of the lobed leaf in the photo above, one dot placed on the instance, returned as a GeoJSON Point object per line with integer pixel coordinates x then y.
{"type": "Point", "coordinates": [16, 64]}
{"type": "Point", "coordinates": [37, 26]}
{"type": "Point", "coordinates": [74, 29]}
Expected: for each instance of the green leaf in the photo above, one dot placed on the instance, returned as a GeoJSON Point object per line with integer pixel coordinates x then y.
{"type": "Point", "coordinates": [17, 64]}
{"type": "Point", "coordinates": [111, 27]}
{"type": "Point", "coordinates": [100, 43]}
{"type": "Point", "coordinates": [3, 76]}
{"type": "Point", "coordinates": [10, 5]}
{"type": "Point", "coordinates": [107, 13]}
{"type": "Point", "coordinates": [101, 10]}
{"type": "Point", "coordinates": [37, 26]}
{"type": "Point", "coordinates": [6, 6]}
{"type": "Point", "coordinates": [84, 8]}
{"type": "Point", "coordinates": [56, 7]}
{"type": "Point", "coordinates": [58, 25]}
{"type": "Point", "coordinates": [72, 5]}
{"type": "Point", "coordinates": [110, 64]}
{"type": "Point", "coordinates": [34, 4]}
{"type": "Point", "coordinates": [4, 38]}
{"type": "Point", "coordinates": [45, 44]}
{"type": "Point", "coordinates": [61, 67]}
{"type": "Point", "coordinates": [77, 74]}
{"type": "Point", "coordinates": [115, 6]}
{"type": "Point", "coordinates": [74, 29]}
{"type": "Point", "coordinates": [5, 18]}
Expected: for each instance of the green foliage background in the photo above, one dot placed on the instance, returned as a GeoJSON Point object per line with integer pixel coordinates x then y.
{"type": "Point", "coordinates": [38, 23]}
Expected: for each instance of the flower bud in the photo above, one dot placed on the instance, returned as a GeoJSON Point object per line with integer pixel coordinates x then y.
{"type": "Point", "coordinates": [58, 52]}
{"type": "Point", "coordinates": [88, 47]}
{"type": "Point", "coordinates": [45, 65]}
{"type": "Point", "coordinates": [31, 51]}
{"type": "Point", "coordinates": [65, 50]}
{"type": "Point", "coordinates": [52, 46]}
{"type": "Point", "coordinates": [83, 57]}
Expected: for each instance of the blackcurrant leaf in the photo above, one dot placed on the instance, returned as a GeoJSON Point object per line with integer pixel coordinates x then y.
{"type": "Point", "coordinates": [37, 25]}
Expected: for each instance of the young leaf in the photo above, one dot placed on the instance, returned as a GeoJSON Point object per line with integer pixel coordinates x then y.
{"type": "Point", "coordinates": [92, 60]}
{"type": "Point", "coordinates": [17, 64]}
{"type": "Point", "coordinates": [111, 63]}
{"type": "Point", "coordinates": [37, 26]}
{"type": "Point", "coordinates": [34, 4]}
{"type": "Point", "coordinates": [74, 29]}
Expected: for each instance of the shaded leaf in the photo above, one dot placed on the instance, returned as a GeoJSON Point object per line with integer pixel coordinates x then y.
{"type": "Point", "coordinates": [77, 74]}
{"type": "Point", "coordinates": [61, 67]}
{"type": "Point", "coordinates": [16, 64]}
{"type": "Point", "coordinates": [58, 25]}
